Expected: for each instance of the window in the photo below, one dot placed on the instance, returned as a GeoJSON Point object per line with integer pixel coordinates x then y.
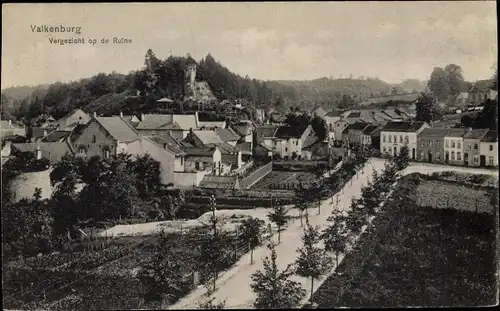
{"type": "Point", "coordinates": [407, 139]}
{"type": "Point", "coordinates": [383, 138]}
{"type": "Point", "coordinates": [400, 138]}
{"type": "Point", "coordinates": [338, 125]}
{"type": "Point", "coordinates": [458, 144]}
{"type": "Point", "coordinates": [197, 165]}
{"type": "Point", "coordinates": [453, 155]}
{"type": "Point", "coordinates": [385, 150]}
{"type": "Point", "coordinates": [452, 144]}
{"type": "Point", "coordinates": [390, 138]}
{"type": "Point", "coordinates": [446, 143]}
{"type": "Point", "coordinates": [476, 159]}
{"type": "Point", "coordinates": [286, 149]}
{"type": "Point", "coordinates": [438, 156]}
{"type": "Point", "coordinates": [422, 143]}
{"type": "Point", "coordinates": [182, 161]}
{"type": "Point", "coordinates": [331, 127]}
{"type": "Point", "coordinates": [296, 143]}
{"type": "Point", "coordinates": [430, 143]}
{"type": "Point", "coordinates": [490, 160]}
{"type": "Point", "coordinates": [106, 153]}
{"type": "Point", "coordinates": [437, 143]}
{"type": "Point", "coordinates": [94, 139]}
{"type": "Point", "coordinates": [475, 146]}
{"type": "Point", "coordinates": [82, 150]}
{"type": "Point", "coordinates": [395, 139]}
{"type": "Point", "coordinates": [459, 156]}
{"type": "Point", "coordinates": [468, 147]}
{"type": "Point", "coordinates": [491, 147]}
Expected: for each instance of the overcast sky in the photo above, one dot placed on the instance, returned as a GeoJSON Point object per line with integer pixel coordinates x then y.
{"type": "Point", "coordinates": [291, 41]}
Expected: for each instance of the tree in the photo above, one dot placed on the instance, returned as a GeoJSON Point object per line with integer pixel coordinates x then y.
{"type": "Point", "coordinates": [425, 108]}
{"type": "Point", "coordinates": [312, 261]}
{"type": "Point", "coordinates": [210, 303]}
{"type": "Point", "coordinates": [454, 79]}
{"type": "Point", "coordinates": [356, 217]}
{"type": "Point", "coordinates": [147, 172]}
{"type": "Point", "coordinates": [273, 288]}
{"type": "Point", "coordinates": [215, 253]}
{"type": "Point", "coordinates": [335, 235]}
{"type": "Point", "coordinates": [278, 216]}
{"type": "Point", "coordinates": [317, 191]}
{"type": "Point", "coordinates": [250, 230]}
{"type": "Point", "coordinates": [438, 83]}
{"type": "Point", "coordinates": [319, 127]}
{"type": "Point", "coordinates": [402, 159]}
{"type": "Point", "coordinates": [151, 61]}
{"type": "Point", "coordinates": [302, 199]}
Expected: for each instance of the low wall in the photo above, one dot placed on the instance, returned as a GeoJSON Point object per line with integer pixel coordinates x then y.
{"type": "Point", "coordinates": [188, 179]}
{"type": "Point", "coordinates": [256, 176]}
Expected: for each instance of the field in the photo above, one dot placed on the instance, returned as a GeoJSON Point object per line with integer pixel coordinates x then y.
{"type": "Point", "coordinates": [419, 256]}
{"type": "Point", "coordinates": [101, 279]}
{"type": "Point", "coordinates": [281, 179]}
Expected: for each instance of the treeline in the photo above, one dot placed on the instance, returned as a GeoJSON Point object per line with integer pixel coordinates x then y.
{"type": "Point", "coordinates": [112, 189]}
{"type": "Point", "coordinates": [112, 93]}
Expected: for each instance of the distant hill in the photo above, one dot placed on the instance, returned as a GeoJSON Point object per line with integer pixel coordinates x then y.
{"type": "Point", "coordinates": [21, 92]}
{"type": "Point", "coordinates": [411, 85]}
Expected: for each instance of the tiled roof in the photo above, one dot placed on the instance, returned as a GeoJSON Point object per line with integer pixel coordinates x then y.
{"type": "Point", "coordinates": [287, 131]}
{"type": "Point", "coordinates": [490, 137]}
{"type": "Point", "coordinates": [218, 124]}
{"type": "Point", "coordinates": [39, 132]}
{"type": "Point", "coordinates": [391, 113]}
{"type": "Point", "coordinates": [118, 128]}
{"type": "Point", "coordinates": [73, 119]}
{"type": "Point", "coordinates": [51, 151]}
{"type": "Point", "coordinates": [208, 137]}
{"type": "Point", "coordinates": [476, 134]}
{"type": "Point", "coordinates": [266, 130]}
{"type": "Point", "coordinates": [370, 129]}
{"type": "Point", "coordinates": [227, 134]}
{"type": "Point", "coordinates": [194, 151]}
{"type": "Point", "coordinates": [310, 140]}
{"type": "Point", "coordinates": [433, 132]}
{"type": "Point", "coordinates": [245, 147]}
{"type": "Point", "coordinates": [169, 142]}
{"type": "Point", "coordinates": [265, 146]}
{"type": "Point", "coordinates": [204, 159]}
{"type": "Point", "coordinates": [56, 136]}
{"type": "Point", "coordinates": [242, 128]}
{"type": "Point", "coordinates": [219, 182]}
{"type": "Point", "coordinates": [335, 113]}
{"type": "Point", "coordinates": [456, 132]}
{"type": "Point", "coordinates": [357, 126]}
{"type": "Point", "coordinates": [186, 121]}
{"type": "Point", "coordinates": [154, 121]}
{"type": "Point", "coordinates": [354, 114]}
{"type": "Point", "coordinates": [225, 148]}
{"type": "Point", "coordinates": [405, 126]}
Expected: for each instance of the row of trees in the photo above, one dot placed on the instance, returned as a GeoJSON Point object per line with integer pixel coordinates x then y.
{"type": "Point", "coordinates": [275, 289]}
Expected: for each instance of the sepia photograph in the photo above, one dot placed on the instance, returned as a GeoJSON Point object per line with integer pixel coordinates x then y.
{"type": "Point", "coordinates": [249, 155]}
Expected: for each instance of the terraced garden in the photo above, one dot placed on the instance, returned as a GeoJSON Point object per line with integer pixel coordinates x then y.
{"type": "Point", "coordinates": [283, 180]}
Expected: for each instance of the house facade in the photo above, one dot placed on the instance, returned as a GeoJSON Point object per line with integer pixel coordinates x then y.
{"type": "Point", "coordinates": [395, 135]}
{"type": "Point", "coordinates": [488, 149]}
{"type": "Point", "coordinates": [353, 134]}
{"type": "Point", "coordinates": [472, 142]}
{"type": "Point", "coordinates": [69, 122]}
{"type": "Point", "coordinates": [175, 125]}
{"type": "Point", "coordinates": [339, 127]}
{"type": "Point", "coordinates": [454, 146]}
{"type": "Point", "coordinates": [430, 147]}
{"type": "Point", "coordinates": [289, 141]}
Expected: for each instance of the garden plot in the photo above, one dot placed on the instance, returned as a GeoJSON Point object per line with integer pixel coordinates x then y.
{"type": "Point", "coordinates": [278, 179]}
{"type": "Point", "coordinates": [439, 194]}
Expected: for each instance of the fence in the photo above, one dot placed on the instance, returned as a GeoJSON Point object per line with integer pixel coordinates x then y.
{"type": "Point", "coordinates": [256, 176]}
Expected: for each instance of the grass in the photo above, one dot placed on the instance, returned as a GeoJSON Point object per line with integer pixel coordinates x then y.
{"type": "Point", "coordinates": [283, 177]}
{"type": "Point", "coordinates": [418, 256]}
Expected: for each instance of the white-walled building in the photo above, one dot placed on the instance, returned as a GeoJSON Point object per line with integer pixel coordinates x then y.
{"type": "Point", "coordinates": [395, 135]}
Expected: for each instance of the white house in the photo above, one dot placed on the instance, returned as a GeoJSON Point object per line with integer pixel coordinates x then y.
{"type": "Point", "coordinates": [290, 140]}
{"type": "Point", "coordinates": [489, 149]}
{"type": "Point", "coordinates": [454, 145]}
{"type": "Point", "coordinates": [394, 135]}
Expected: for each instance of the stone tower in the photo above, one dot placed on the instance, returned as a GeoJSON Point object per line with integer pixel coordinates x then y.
{"type": "Point", "coordinates": [190, 75]}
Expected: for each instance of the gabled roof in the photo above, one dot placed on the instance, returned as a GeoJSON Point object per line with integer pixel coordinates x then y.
{"type": "Point", "coordinates": [310, 140]}
{"type": "Point", "coordinates": [405, 126]}
{"type": "Point", "coordinates": [481, 86]}
{"type": "Point", "coordinates": [164, 100]}
{"type": "Point", "coordinates": [433, 132]}
{"type": "Point", "coordinates": [39, 132]}
{"type": "Point", "coordinates": [219, 182]}
{"type": "Point", "coordinates": [74, 117]}
{"type": "Point", "coordinates": [456, 132]}
{"type": "Point", "coordinates": [225, 148]}
{"type": "Point", "coordinates": [194, 151]}
{"type": "Point", "coordinates": [370, 129]}
{"type": "Point", "coordinates": [217, 124]}
{"type": "Point", "coordinates": [242, 128]}
{"type": "Point", "coordinates": [265, 146]}
{"type": "Point", "coordinates": [334, 113]}
{"type": "Point", "coordinates": [490, 137]}
{"type": "Point", "coordinates": [391, 113]}
{"type": "Point", "coordinates": [56, 136]}
{"type": "Point", "coordinates": [227, 134]}
{"type": "Point", "coordinates": [51, 151]}
{"type": "Point", "coordinates": [357, 126]}
{"type": "Point", "coordinates": [208, 137]}
{"type": "Point", "coordinates": [266, 130]}
{"type": "Point", "coordinates": [118, 128]}
{"type": "Point", "coordinates": [319, 111]}
{"type": "Point", "coordinates": [169, 143]}
{"type": "Point", "coordinates": [287, 131]}
{"type": "Point", "coordinates": [168, 121]}
{"type": "Point", "coordinates": [475, 134]}
{"type": "Point", "coordinates": [354, 114]}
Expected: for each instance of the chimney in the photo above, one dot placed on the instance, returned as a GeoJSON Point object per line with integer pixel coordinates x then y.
{"type": "Point", "coordinates": [469, 129]}
{"type": "Point", "coordinates": [142, 117]}
{"type": "Point", "coordinates": [10, 122]}
{"type": "Point", "coordinates": [95, 114]}
{"type": "Point", "coordinates": [197, 121]}
{"type": "Point", "coordinates": [121, 114]}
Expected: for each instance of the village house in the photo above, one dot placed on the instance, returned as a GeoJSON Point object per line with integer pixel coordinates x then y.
{"type": "Point", "coordinates": [454, 146]}
{"type": "Point", "coordinates": [489, 149]}
{"type": "Point", "coordinates": [318, 112]}
{"type": "Point", "coordinates": [50, 151]}
{"type": "Point", "coordinates": [175, 125]}
{"type": "Point", "coordinates": [332, 117]}
{"type": "Point", "coordinates": [481, 91]}
{"type": "Point", "coordinates": [69, 122]}
{"type": "Point", "coordinates": [430, 147]}
{"type": "Point", "coordinates": [472, 142]}
{"type": "Point", "coordinates": [265, 140]}
{"type": "Point", "coordinates": [290, 140]}
{"type": "Point", "coordinates": [395, 135]}
{"type": "Point", "coordinates": [339, 128]}
{"type": "Point", "coordinates": [109, 136]}
{"type": "Point", "coordinates": [228, 135]}
{"type": "Point", "coordinates": [353, 134]}
{"type": "Point", "coordinates": [205, 138]}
